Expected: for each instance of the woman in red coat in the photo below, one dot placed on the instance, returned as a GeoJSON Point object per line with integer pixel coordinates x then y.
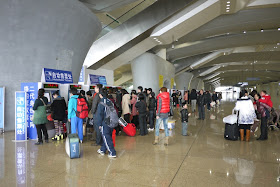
{"type": "Point", "coordinates": [163, 109]}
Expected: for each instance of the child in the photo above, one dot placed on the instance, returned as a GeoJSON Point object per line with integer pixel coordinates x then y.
{"type": "Point", "coordinates": [184, 118]}
{"type": "Point", "coordinates": [142, 109]}
{"type": "Point", "coordinates": [266, 99]}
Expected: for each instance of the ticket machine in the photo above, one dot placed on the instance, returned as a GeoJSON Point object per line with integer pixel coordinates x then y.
{"type": "Point", "coordinates": [65, 90]}
{"type": "Point", "coordinates": [50, 88]}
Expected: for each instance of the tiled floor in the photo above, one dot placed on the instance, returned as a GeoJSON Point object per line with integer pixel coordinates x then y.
{"type": "Point", "coordinates": [202, 159]}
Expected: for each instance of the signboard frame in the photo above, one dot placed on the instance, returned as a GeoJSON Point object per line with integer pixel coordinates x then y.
{"type": "Point", "coordinates": [3, 112]}
{"type": "Point", "coordinates": [25, 115]}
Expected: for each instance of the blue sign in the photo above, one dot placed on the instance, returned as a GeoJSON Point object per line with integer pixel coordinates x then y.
{"type": "Point", "coordinates": [31, 89]}
{"type": "Point", "coordinates": [97, 79]}
{"type": "Point", "coordinates": [2, 97]}
{"type": "Point", "coordinates": [58, 76]}
{"type": "Point", "coordinates": [20, 116]}
{"type": "Point", "coordinates": [82, 74]}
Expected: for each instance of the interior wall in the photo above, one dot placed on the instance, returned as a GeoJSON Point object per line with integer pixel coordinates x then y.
{"type": "Point", "coordinates": [37, 34]}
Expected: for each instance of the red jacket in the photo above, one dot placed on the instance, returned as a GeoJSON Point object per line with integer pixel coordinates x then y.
{"type": "Point", "coordinates": [266, 99]}
{"type": "Point", "coordinates": [165, 102]}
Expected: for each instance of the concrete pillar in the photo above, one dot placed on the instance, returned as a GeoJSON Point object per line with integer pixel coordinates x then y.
{"type": "Point", "coordinates": [183, 81]}
{"type": "Point", "coordinates": [146, 70]}
{"type": "Point", "coordinates": [200, 84]}
{"type": "Point", "coordinates": [38, 34]}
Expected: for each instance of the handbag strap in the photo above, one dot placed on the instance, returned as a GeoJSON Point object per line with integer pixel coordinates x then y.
{"type": "Point", "coordinates": [43, 101]}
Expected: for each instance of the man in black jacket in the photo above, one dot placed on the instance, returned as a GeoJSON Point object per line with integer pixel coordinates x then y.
{"type": "Point", "coordinates": [201, 101]}
{"type": "Point", "coordinates": [193, 98]}
{"type": "Point", "coordinates": [208, 99]}
{"type": "Point", "coordinates": [152, 110]}
{"type": "Point", "coordinates": [95, 102]}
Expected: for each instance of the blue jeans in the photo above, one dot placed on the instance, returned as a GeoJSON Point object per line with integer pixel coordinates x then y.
{"type": "Point", "coordinates": [165, 124]}
{"type": "Point", "coordinates": [184, 128]}
{"type": "Point", "coordinates": [107, 140]}
{"type": "Point", "coordinates": [77, 125]}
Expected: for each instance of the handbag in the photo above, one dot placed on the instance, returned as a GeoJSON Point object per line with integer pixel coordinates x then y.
{"type": "Point", "coordinates": [32, 118]}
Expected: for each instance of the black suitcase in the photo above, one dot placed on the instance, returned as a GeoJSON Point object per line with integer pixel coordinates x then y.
{"type": "Point", "coordinates": [231, 132]}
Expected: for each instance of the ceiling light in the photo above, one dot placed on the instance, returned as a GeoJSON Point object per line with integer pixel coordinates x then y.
{"type": "Point", "coordinates": [261, 30]}
{"type": "Point", "coordinates": [155, 38]}
{"type": "Point", "coordinates": [244, 32]}
{"type": "Point", "coordinates": [228, 5]}
{"type": "Point", "coordinates": [278, 43]}
{"type": "Point", "coordinates": [279, 29]}
{"type": "Point", "coordinates": [227, 10]}
{"type": "Point", "coordinates": [228, 2]}
{"type": "Point", "coordinates": [173, 46]}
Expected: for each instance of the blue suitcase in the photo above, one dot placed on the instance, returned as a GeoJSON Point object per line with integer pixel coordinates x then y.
{"type": "Point", "coordinates": [72, 146]}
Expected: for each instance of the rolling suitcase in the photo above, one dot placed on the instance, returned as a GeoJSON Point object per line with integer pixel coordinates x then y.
{"type": "Point", "coordinates": [72, 146]}
{"type": "Point", "coordinates": [231, 131]}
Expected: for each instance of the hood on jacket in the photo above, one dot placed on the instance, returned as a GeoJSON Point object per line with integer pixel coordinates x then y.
{"type": "Point", "coordinates": [75, 96]}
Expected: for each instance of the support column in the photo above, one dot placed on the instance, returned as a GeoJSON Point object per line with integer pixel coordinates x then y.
{"type": "Point", "coordinates": [183, 81]}
{"type": "Point", "coordinates": [194, 83]}
{"type": "Point", "coordinates": [146, 70]}
{"type": "Point", "coordinates": [38, 34]}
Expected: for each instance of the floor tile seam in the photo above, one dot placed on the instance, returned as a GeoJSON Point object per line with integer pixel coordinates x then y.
{"type": "Point", "coordinates": [198, 132]}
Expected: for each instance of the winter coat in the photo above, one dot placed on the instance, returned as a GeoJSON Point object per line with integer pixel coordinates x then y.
{"type": "Point", "coordinates": [125, 104]}
{"type": "Point", "coordinates": [267, 100]}
{"type": "Point", "coordinates": [246, 110]}
{"type": "Point", "coordinates": [214, 97]}
{"type": "Point", "coordinates": [133, 102]}
{"type": "Point", "coordinates": [184, 115]}
{"type": "Point", "coordinates": [193, 96]}
{"type": "Point", "coordinates": [141, 107]}
{"type": "Point", "coordinates": [262, 107]}
{"type": "Point", "coordinates": [152, 104]}
{"type": "Point", "coordinates": [163, 105]}
{"type": "Point", "coordinates": [100, 112]}
{"type": "Point", "coordinates": [72, 106]}
{"type": "Point", "coordinates": [208, 98]}
{"type": "Point", "coordinates": [40, 115]}
{"type": "Point", "coordinates": [201, 100]}
{"type": "Point", "coordinates": [95, 102]}
{"type": "Point", "coordinates": [58, 108]}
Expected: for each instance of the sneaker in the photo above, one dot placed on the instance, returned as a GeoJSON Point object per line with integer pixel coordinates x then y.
{"type": "Point", "coordinates": [81, 141]}
{"type": "Point", "coordinates": [152, 129]}
{"type": "Point", "coordinates": [56, 138]}
{"type": "Point", "coordinates": [101, 152]}
{"type": "Point", "coordinates": [112, 156]}
{"type": "Point", "coordinates": [61, 136]}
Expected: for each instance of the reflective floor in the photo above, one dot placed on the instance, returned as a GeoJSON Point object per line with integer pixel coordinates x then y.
{"type": "Point", "coordinates": [202, 159]}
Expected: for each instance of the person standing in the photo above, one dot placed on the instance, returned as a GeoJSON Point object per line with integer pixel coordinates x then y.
{"type": "Point", "coordinates": [208, 100]}
{"type": "Point", "coordinates": [152, 110]}
{"type": "Point", "coordinates": [40, 116]}
{"type": "Point", "coordinates": [186, 97]}
{"type": "Point", "coordinates": [180, 97]}
{"type": "Point", "coordinates": [134, 110]}
{"type": "Point", "coordinates": [126, 105]}
{"type": "Point", "coordinates": [246, 115]}
{"type": "Point", "coordinates": [262, 109]}
{"type": "Point", "coordinates": [163, 108]}
{"type": "Point", "coordinates": [76, 122]}
{"type": "Point", "coordinates": [105, 130]}
{"type": "Point", "coordinates": [142, 109]}
{"type": "Point", "coordinates": [174, 98]}
{"type": "Point", "coordinates": [215, 97]}
{"type": "Point", "coordinates": [193, 98]}
{"type": "Point", "coordinates": [201, 101]}
{"type": "Point", "coordinates": [95, 102]}
{"type": "Point", "coordinates": [58, 109]}
{"type": "Point", "coordinates": [185, 118]}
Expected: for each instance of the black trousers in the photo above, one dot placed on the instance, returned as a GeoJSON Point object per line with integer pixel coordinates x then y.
{"type": "Point", "coordinates": [201, 111]}
{"type": "Point", "coordinates": [127, 118]}
{"type": "Point", "coordinates": [143, 124]}
{"type": "Point", "coordinates": [135, 121]}
{"type": "Point", "coordinates": [152, 118]}
{"type": "Point", "coordinates": [40, 128]}
{"type": "Point", "coordinates": [264, 130]}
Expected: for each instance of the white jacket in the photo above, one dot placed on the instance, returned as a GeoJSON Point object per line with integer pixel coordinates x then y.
{"type": "Point", "coordinates": [125, 104]}
{"type": "Point", "coordinates": [246, 110]}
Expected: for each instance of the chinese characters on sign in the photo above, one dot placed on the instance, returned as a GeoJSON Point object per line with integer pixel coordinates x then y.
{"type": "Point", "coordinates": [58, 76]}
{"type": "Point", "coordinates": [31, 90]}
{"type": "Point", "coordinates": [20, 118]}
{"type": "Point", "coordinates": [97, 79]}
